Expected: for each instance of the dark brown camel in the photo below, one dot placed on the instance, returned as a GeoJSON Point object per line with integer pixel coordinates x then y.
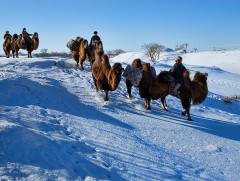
{"type": "Point", "coordinates": [195, 90]}
{"type": "Point", "coordinates": [27, 43]}
{"type": "Point", "coordinates": [15, 47]}
{"type": "Point", "coordinates": [151, 88]}
{"type": "Point", "coordinates": [105, 77]}
{"type": "Point", "coordinates": [81, 52]}
{"type": "Point", "coordinates": [7, 46]}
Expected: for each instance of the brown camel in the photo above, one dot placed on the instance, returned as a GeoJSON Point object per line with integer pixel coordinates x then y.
{"type": "Point", "coordinates": [15, 47]}
{"type": "Point", "coordinates": [105, 77]}
{"type": "Point", "coordinates": [81, 52]}
{"type": "Point", "coordinates": [7, 46]}
{"type": "Point", "coordinates": [151, 88]}
{"type": "Point", "coordinates": [97, 45]}
{"type": "Point", "coordinates": [137, 64]}
{"type": "Point", "coordinates": [30, 44]}
{"type": "Point", "coordinates": [195, 90]}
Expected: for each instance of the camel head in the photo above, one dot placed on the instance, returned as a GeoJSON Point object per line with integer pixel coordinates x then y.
{"type": "Point", "coordinates": [98, 47]}
{"type": "Point", "coordinates": [117, 67]}
{"type": "Point", "coordinates": [114, 76]}
{"type": "Point", "coordinates": [137, 63]}
{"type": "Point", "coordinates": [15, 36]}
{"type": "Point", "coordinates": [200, 77]}
{"type": "Point", "coordinates": [146, 67]}
{"type": "Point", "coordinates": [35, 34]}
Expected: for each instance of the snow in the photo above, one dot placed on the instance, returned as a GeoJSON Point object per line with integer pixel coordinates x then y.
{"type": "Point", "coordinates": [55, 126]}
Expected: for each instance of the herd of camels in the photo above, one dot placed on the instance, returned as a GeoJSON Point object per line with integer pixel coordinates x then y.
{"type": "Point", "coordinates": [17, 42]}
{"type": "Point", "coordinates": [107, 77]}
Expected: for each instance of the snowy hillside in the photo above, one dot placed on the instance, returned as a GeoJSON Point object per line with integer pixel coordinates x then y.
{"type": "Point", "coordinates": [54, 126]}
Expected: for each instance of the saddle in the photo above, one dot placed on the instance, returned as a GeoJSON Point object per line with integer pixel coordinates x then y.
{"type": "Point", "coordinates": [171, 87]}
{"type": "Point", "coordinates": [72, 45]}
{"type": "Point", "coordinates": [133, 74]}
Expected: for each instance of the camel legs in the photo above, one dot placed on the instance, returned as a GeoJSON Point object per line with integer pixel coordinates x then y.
{"type": "Point", "coordinates": [7, 54]}
{"type": "Point", "coordinates": [106, 98]}
{"type": "Point", "coordinates": [16, 53]}
{"type": "Point", "coordinates": [29, 54]}
{"type": "Point", "coordinates": [147, 103]}
{"type": "Point", "coordinates": [81, 63]}
{"type": "Point", "coordinates": [13, 53]}
{"type": "Point", "coordinates": [164, 103]}
{"type": "Point", "coordinates": [129, 88]}
{"type": "Point", "coordinates": [186, 105]}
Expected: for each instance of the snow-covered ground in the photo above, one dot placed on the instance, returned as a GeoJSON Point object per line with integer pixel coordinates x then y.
{"type": "Point", "coordinates": [54, 126]}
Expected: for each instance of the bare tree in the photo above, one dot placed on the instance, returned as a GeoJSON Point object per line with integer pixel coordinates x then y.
{"type": "Point", "coordinates": [153, 50]}
{"type": "Point", "coordinates": [150, 50]}
{"type": "Point", "coordinates": [160, 48]}
{"type": "Point", "coordinates": [44, 51]}
{"type": "Point", "coordinates": [182, 46]}
{"type": "Point", "coordinates": [195, 49]}
{"type": "Point", "coordinates": [113, 53]}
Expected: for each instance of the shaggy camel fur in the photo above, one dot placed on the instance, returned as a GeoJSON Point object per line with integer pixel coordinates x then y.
{"type": "Point", "coordinates": [28, 43]}
{"type": "Point", "coordinates": [97, 46]}
{"type": "Point", "coordinates": [15, 47]}
{"type": "Point", "coordinates": [151, 88]}
{"type": "Point", "coordinates": [137, 64]}
{"type": "Point", "coordinates": [195, 91]}
{"type": "Point", "coordinates": [7, 46]}
{"type": "Point", "coordinates": [80, 54]}
{"type": "Point", "coordinates": [105, 77]}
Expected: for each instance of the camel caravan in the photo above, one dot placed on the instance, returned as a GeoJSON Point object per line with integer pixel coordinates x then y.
{"type": "Point", "coordinates": [22, 41]}
{"type": "Point", "coordinates": [151, 86]}
{"type": "Point", "coordinates": [175, 82]}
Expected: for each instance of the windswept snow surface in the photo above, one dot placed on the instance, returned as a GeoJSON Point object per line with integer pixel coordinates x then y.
{"type": "Point", "coordinates": [55, 126]}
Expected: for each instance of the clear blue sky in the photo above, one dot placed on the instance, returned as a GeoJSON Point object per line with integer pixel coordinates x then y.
{"type": "Point", "coordinates": [126, 24]}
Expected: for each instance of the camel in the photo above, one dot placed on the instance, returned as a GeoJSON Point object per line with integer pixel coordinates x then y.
{"type": "Point", "coordinates": [195, 90]}
{"type": "Point", "coordinates": [15, 47]}
{"type": "Point", "coordinates": [137, 64]}
{"type": "Point", "coordinates": [97, 45]}
{"type": "Point", "coordinates": [81, 51]}
{"type": "Point", "coordinates": [30, 44]}
{"type": "Point", "coordinates": [7, 46]}
{"type": "Point", "coordinates": [105, 77]}
{"type": "Point", "coordinates": [152, 88]}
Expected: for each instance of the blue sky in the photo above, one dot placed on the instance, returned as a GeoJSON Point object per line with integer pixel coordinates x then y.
{"type": "Point", "coordinates": [126, 24]}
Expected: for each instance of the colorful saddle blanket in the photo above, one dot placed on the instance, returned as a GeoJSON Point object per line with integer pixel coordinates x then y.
{"type": "Point", "coordinates": [133, 74]}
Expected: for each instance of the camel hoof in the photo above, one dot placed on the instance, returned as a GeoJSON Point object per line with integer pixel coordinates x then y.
{"type": "Point", "coordinates": [148, 108]}
{"type": "Point", "coordinates": [106, 99]}
{"type": "Point", "coordinates": [190, 119]}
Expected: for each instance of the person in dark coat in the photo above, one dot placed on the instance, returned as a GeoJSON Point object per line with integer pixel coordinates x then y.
{"type": "Point", "coordinates": [26, 34]}
{"type": "Point", "coordinates": [94, 37]}
{"type": "Point", "coordinates": [177, 72]}
{"type": "Point", "coordinates": [7, 34]}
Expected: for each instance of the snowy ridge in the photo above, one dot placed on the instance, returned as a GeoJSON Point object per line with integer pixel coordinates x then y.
{"type": "Point", "coordinates": [55, 126]}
